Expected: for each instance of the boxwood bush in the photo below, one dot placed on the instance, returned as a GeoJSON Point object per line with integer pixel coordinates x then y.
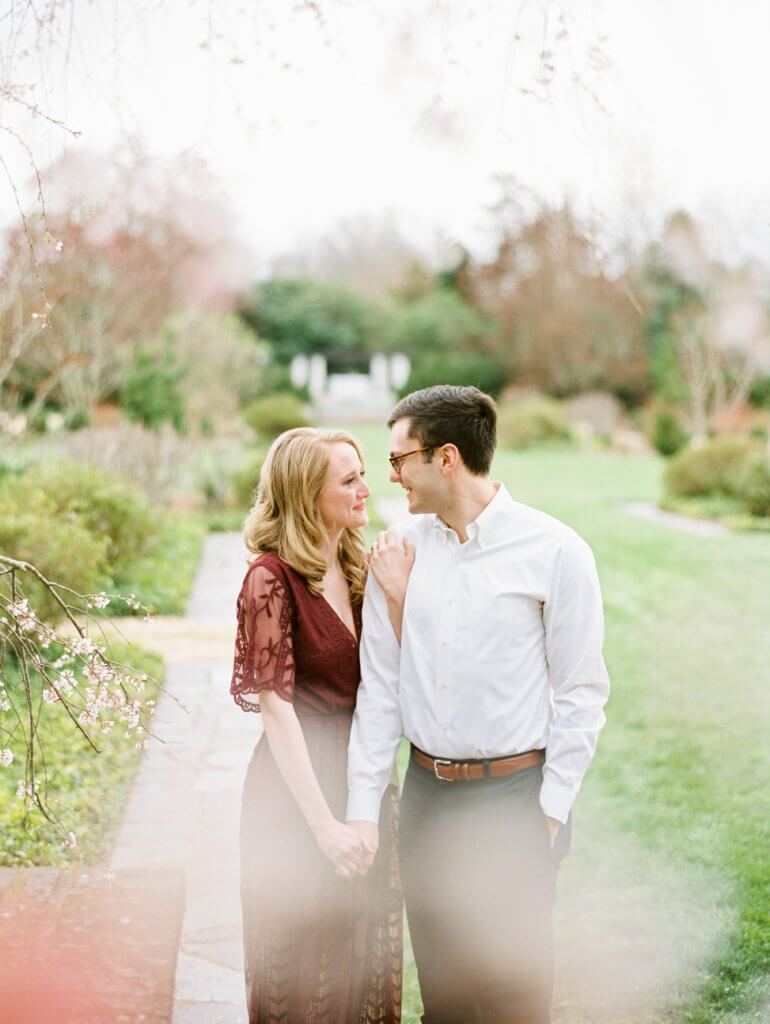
{"type": "Point", "coordinates": [78, 525]}
{"type": "Point", "coordinates": [532, 421]}
{"type": "Point", "coordinates": [714, 468]}
{"type": "Point", "coordinates": [60, 546]}
{"type": "Point", "coordinates": [271, 415]}
{"type": "Point", "coordinates": [754, 484]}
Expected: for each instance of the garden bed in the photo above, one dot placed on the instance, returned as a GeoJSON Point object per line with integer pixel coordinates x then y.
{"type": "Point", "coordinates": [87, 790]}
{"type": "Point", "coordinates": [717, 508]}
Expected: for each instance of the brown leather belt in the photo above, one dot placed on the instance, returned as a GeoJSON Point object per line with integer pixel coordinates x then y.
{"type": "Point", "coordinates": [474, 771]}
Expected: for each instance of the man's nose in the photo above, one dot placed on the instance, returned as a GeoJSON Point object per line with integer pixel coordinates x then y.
{"type": "Point", "coordinates": [395, 477]}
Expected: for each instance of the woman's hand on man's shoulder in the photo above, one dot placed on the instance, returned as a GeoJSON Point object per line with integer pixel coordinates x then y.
{"type": "Point", "coordinates": [390, 560]}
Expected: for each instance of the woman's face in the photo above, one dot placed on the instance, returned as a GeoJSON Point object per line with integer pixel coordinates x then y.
{"type": "Point", "coordinates": [342, 501]}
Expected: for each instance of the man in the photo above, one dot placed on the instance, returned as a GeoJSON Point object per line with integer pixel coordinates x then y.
{"type": "Point", "coordinates": [499, 685]}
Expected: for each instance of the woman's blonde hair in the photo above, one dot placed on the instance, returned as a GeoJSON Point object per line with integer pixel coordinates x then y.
{"type": "Point", "coordinates": [285, 519]}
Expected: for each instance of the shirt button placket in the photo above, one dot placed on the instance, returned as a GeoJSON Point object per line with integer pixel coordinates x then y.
{"type": "Point", "coordinates": [444, 659]}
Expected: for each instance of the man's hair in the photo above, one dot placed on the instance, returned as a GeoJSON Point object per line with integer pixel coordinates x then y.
{"type": "Point", "coordinates": [446, 414]}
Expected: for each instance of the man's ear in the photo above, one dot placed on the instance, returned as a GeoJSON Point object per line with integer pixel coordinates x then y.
{"type": "Point", "coordinates": [449, 456]}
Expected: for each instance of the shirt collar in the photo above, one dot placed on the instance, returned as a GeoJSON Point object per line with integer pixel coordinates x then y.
{"type": "Point", "coordinates": [486, 523]}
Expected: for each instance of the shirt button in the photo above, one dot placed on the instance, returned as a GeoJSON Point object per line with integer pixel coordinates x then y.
{"type": "Point", "coordinates": [442, 686]}
{"type": "Point", "coordinates": [444, 726]}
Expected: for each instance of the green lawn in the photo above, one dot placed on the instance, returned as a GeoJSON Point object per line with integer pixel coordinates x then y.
{"type": "Point", "coordinates": [664, 900]}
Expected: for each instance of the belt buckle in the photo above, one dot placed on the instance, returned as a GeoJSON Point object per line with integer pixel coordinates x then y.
{"type": "Point", "coordinates": [436, 762]}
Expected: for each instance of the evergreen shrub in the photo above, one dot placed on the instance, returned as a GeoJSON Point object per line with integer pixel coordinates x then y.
{"type": "Point", "coordinates": [532, 421]}
{"type": "Point", "coordinates": [271, 415]}
{"type": "Point", "coordinates": [714, 468]}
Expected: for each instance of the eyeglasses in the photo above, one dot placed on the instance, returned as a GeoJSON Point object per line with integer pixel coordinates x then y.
{"type": "Point", "coordinates": [396, 460]}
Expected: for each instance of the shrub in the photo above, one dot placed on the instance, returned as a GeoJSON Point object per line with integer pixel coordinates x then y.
{"type": "Point", "coordinates": [224, 367]}
{"type": "Point", "coordinates": [245, 480]}
{"type": "Point", "coordinates": [714, 468]}
{"type": "Point", "coordinates": [668, 434]}
{"type": "Point", "coordinates": [533, 421]}
{"type": "Point", "coordinates": [78, 419]}
{"type": "Point", "coordinates": [151, 392]}
{"type": "Point", "coordinates": [107, 505]}
{"type": "Point", "coordinates": [596, 412]}
{"type": "Point", "coordinates": [271, 415]}
{"type": "Point", "coordinates": [104, 505]}
{"type": "Point", "coordinates": [482, 371]}
{"type": "Point", "coordinates": [158, 462]}
{"type": "Point", "coordinates": [754, 484]}
{"type": "Point", "coordinates": [62, 548]}
{"type": "Point", "coordinates": [760, 393]}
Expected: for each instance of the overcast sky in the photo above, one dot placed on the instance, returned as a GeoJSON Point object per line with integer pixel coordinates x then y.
{"type": "Point", "coordinates": [309, 113]}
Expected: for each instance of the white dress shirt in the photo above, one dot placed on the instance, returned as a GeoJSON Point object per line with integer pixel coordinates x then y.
{"type": "Point", "coordinates": [501, 653]}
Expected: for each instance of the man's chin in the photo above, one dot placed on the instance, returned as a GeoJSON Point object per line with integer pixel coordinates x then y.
{"type": "Point", "coordinates": [412, 502]}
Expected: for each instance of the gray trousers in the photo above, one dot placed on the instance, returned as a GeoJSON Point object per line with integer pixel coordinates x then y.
{"type": "Point", "coordinates": [478, 876]}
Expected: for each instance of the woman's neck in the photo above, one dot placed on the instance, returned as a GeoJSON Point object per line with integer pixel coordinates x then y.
{"type": "Point", "coordinates": [330, 549]}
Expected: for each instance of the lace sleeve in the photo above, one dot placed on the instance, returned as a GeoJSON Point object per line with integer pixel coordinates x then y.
{"type": "Point", "coordinates": [263, 644]}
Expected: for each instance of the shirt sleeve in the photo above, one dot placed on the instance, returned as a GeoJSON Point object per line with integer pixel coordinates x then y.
{"type": "Point", "coordinates": [574, 633]}
{"type": "Point", "coordinates": [376, 731]}
{"type": "Point", "coordinates": [264, 658]}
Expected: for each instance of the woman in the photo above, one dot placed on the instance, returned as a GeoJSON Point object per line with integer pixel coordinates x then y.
{"type": "Point", "coordinates": [322, 936]}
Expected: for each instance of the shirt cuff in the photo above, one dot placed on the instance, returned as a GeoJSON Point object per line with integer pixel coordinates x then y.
{"type": "Point", "coordinates": [364, 805]}
{"type": "Point", "coordinates": [556, 800]}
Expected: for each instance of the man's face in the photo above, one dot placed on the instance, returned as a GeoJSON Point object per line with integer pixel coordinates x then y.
{"type": "Point", "coordinates": [422, 481]}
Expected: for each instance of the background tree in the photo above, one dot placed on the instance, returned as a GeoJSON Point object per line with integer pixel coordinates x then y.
{"type": "Point", "coordinates": [302, 316]}
{"type": "Point", "coordinates": [565, 325]}
{"type": "Point", "coordinates": [708, 326]}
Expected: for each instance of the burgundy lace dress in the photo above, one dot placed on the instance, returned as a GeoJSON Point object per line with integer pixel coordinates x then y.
{"type": "Point", "coordinates": [318, 948]}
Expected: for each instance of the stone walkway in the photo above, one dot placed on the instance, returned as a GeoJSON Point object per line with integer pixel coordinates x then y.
{"type": "Point", "coordinates": [685, 524]}
{"type": "Point", "coordinates": [184, 807]}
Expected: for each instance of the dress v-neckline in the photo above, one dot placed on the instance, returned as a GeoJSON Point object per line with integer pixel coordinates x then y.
{"type": "Point", "coordinates": [353, 635]}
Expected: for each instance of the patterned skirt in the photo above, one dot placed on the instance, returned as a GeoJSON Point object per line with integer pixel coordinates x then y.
{"type": "Point", "coordinates": [318, 948]}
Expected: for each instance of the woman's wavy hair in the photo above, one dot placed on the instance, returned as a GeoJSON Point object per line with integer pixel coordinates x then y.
{"type": "Point", "coordinates": [285, 519]}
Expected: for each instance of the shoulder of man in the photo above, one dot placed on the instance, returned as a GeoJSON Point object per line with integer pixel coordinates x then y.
{"type": "Point", "coordinates": [555, 534]}
{"type": "Point", "coordinates": [414, 527]}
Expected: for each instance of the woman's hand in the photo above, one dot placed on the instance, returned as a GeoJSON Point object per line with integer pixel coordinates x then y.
{"type": "Point", "coordinates": [391, 562]}
{"type": "Point", "coordinates": [342, 845]}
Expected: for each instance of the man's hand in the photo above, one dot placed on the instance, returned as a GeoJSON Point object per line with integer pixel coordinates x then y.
{"type": "Point", "coordinates": [553, 828]}
{"type": "Point", "coordinates": [370, 834]}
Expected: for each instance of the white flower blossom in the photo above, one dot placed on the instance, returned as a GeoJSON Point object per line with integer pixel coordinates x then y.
{"type": "Point", "coordinates": [6, 757]}
{"type": "Point", "coordinates": [50, 696]}
{"type": "Point", "coordinates": [70, 842]}
{"type": "Point", "coordinates": [83, 645]}
{"type": "Point", "coordinates": [67, 682]}
{"type": "Point", "coordinates": [24, 615]}
{"type": "Point", "coordinates": [24, 790]}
